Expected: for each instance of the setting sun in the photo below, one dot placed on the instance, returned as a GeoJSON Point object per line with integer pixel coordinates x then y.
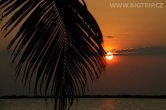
{"type": "Point", "coordinates": [109, 56]}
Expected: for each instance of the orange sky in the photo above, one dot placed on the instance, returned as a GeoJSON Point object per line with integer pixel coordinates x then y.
{"type": "Point", "coordinates": [121, 28]}
{"type": "Point", "coordinates": [126, 28]}
{"type": "Point", "coordinates": [129, 28]}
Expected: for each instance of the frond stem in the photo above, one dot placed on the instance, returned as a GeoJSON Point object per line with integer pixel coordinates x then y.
{"type": "Point", "coordinates": [64, 31]}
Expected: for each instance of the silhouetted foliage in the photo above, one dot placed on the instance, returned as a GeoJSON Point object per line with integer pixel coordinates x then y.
{"type": "Point", "coordinates": [59, 44]}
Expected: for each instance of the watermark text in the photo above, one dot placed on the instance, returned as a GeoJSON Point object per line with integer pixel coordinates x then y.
{"type": "Point", "coordinates": [137, 5]}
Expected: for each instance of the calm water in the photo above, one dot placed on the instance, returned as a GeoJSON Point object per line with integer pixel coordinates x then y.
{"type": "Point", "coordinates": [87, 104]}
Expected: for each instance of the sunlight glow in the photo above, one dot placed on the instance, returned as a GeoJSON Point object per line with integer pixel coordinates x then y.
{"type": "Point", "coordinates": [109, 56]}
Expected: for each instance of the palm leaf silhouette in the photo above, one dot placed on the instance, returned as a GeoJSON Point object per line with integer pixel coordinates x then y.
{"type": "Point", "coordinates": [59, 44]}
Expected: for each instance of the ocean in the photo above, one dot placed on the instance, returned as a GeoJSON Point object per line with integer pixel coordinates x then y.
{"type": "Point", "coordinates": [87, 104]}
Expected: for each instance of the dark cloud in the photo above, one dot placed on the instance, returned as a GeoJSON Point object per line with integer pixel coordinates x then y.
{"type": "Point", "coordinates": [5, 52]}
{"type": "Point", "coordinates": [120, 35]}
{"type": "Point", "coordinates": [158, 50]}
{"type": "Point", "coordinates": [109, 37]}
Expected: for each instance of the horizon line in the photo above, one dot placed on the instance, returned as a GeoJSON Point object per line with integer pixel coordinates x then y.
{"type": "Point", "coordinates": [86, 96]}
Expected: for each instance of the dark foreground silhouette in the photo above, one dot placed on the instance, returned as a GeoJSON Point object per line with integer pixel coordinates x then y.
{"type": "Point", "coordinates": [56, 43]}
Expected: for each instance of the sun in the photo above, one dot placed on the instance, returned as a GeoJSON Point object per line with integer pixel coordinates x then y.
{"type": "Point", "coordinates": [109, 56]}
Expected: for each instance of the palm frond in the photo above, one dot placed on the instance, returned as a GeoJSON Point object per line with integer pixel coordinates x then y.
{"type": "Point", "coordinates": [60, 44]}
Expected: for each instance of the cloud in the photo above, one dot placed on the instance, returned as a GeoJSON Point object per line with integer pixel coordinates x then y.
{"type": "Point", "coordinates": [158, 50]}
{"type": "Point", "coordinates": [119, 35]}
{"type": "Point", "coordinates": [109, 37]}
{"type": "Point", "coordinates": [5, 53]}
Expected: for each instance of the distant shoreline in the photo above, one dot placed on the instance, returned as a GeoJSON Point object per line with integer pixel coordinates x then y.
{"type": "Point", "coordinates": [90, 96]}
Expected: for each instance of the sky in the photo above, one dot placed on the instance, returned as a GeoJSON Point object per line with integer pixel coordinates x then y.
{"type": "Point", "coordinates": [137, 38]}
{"type": "Point", "coordinates": [130, 27]}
